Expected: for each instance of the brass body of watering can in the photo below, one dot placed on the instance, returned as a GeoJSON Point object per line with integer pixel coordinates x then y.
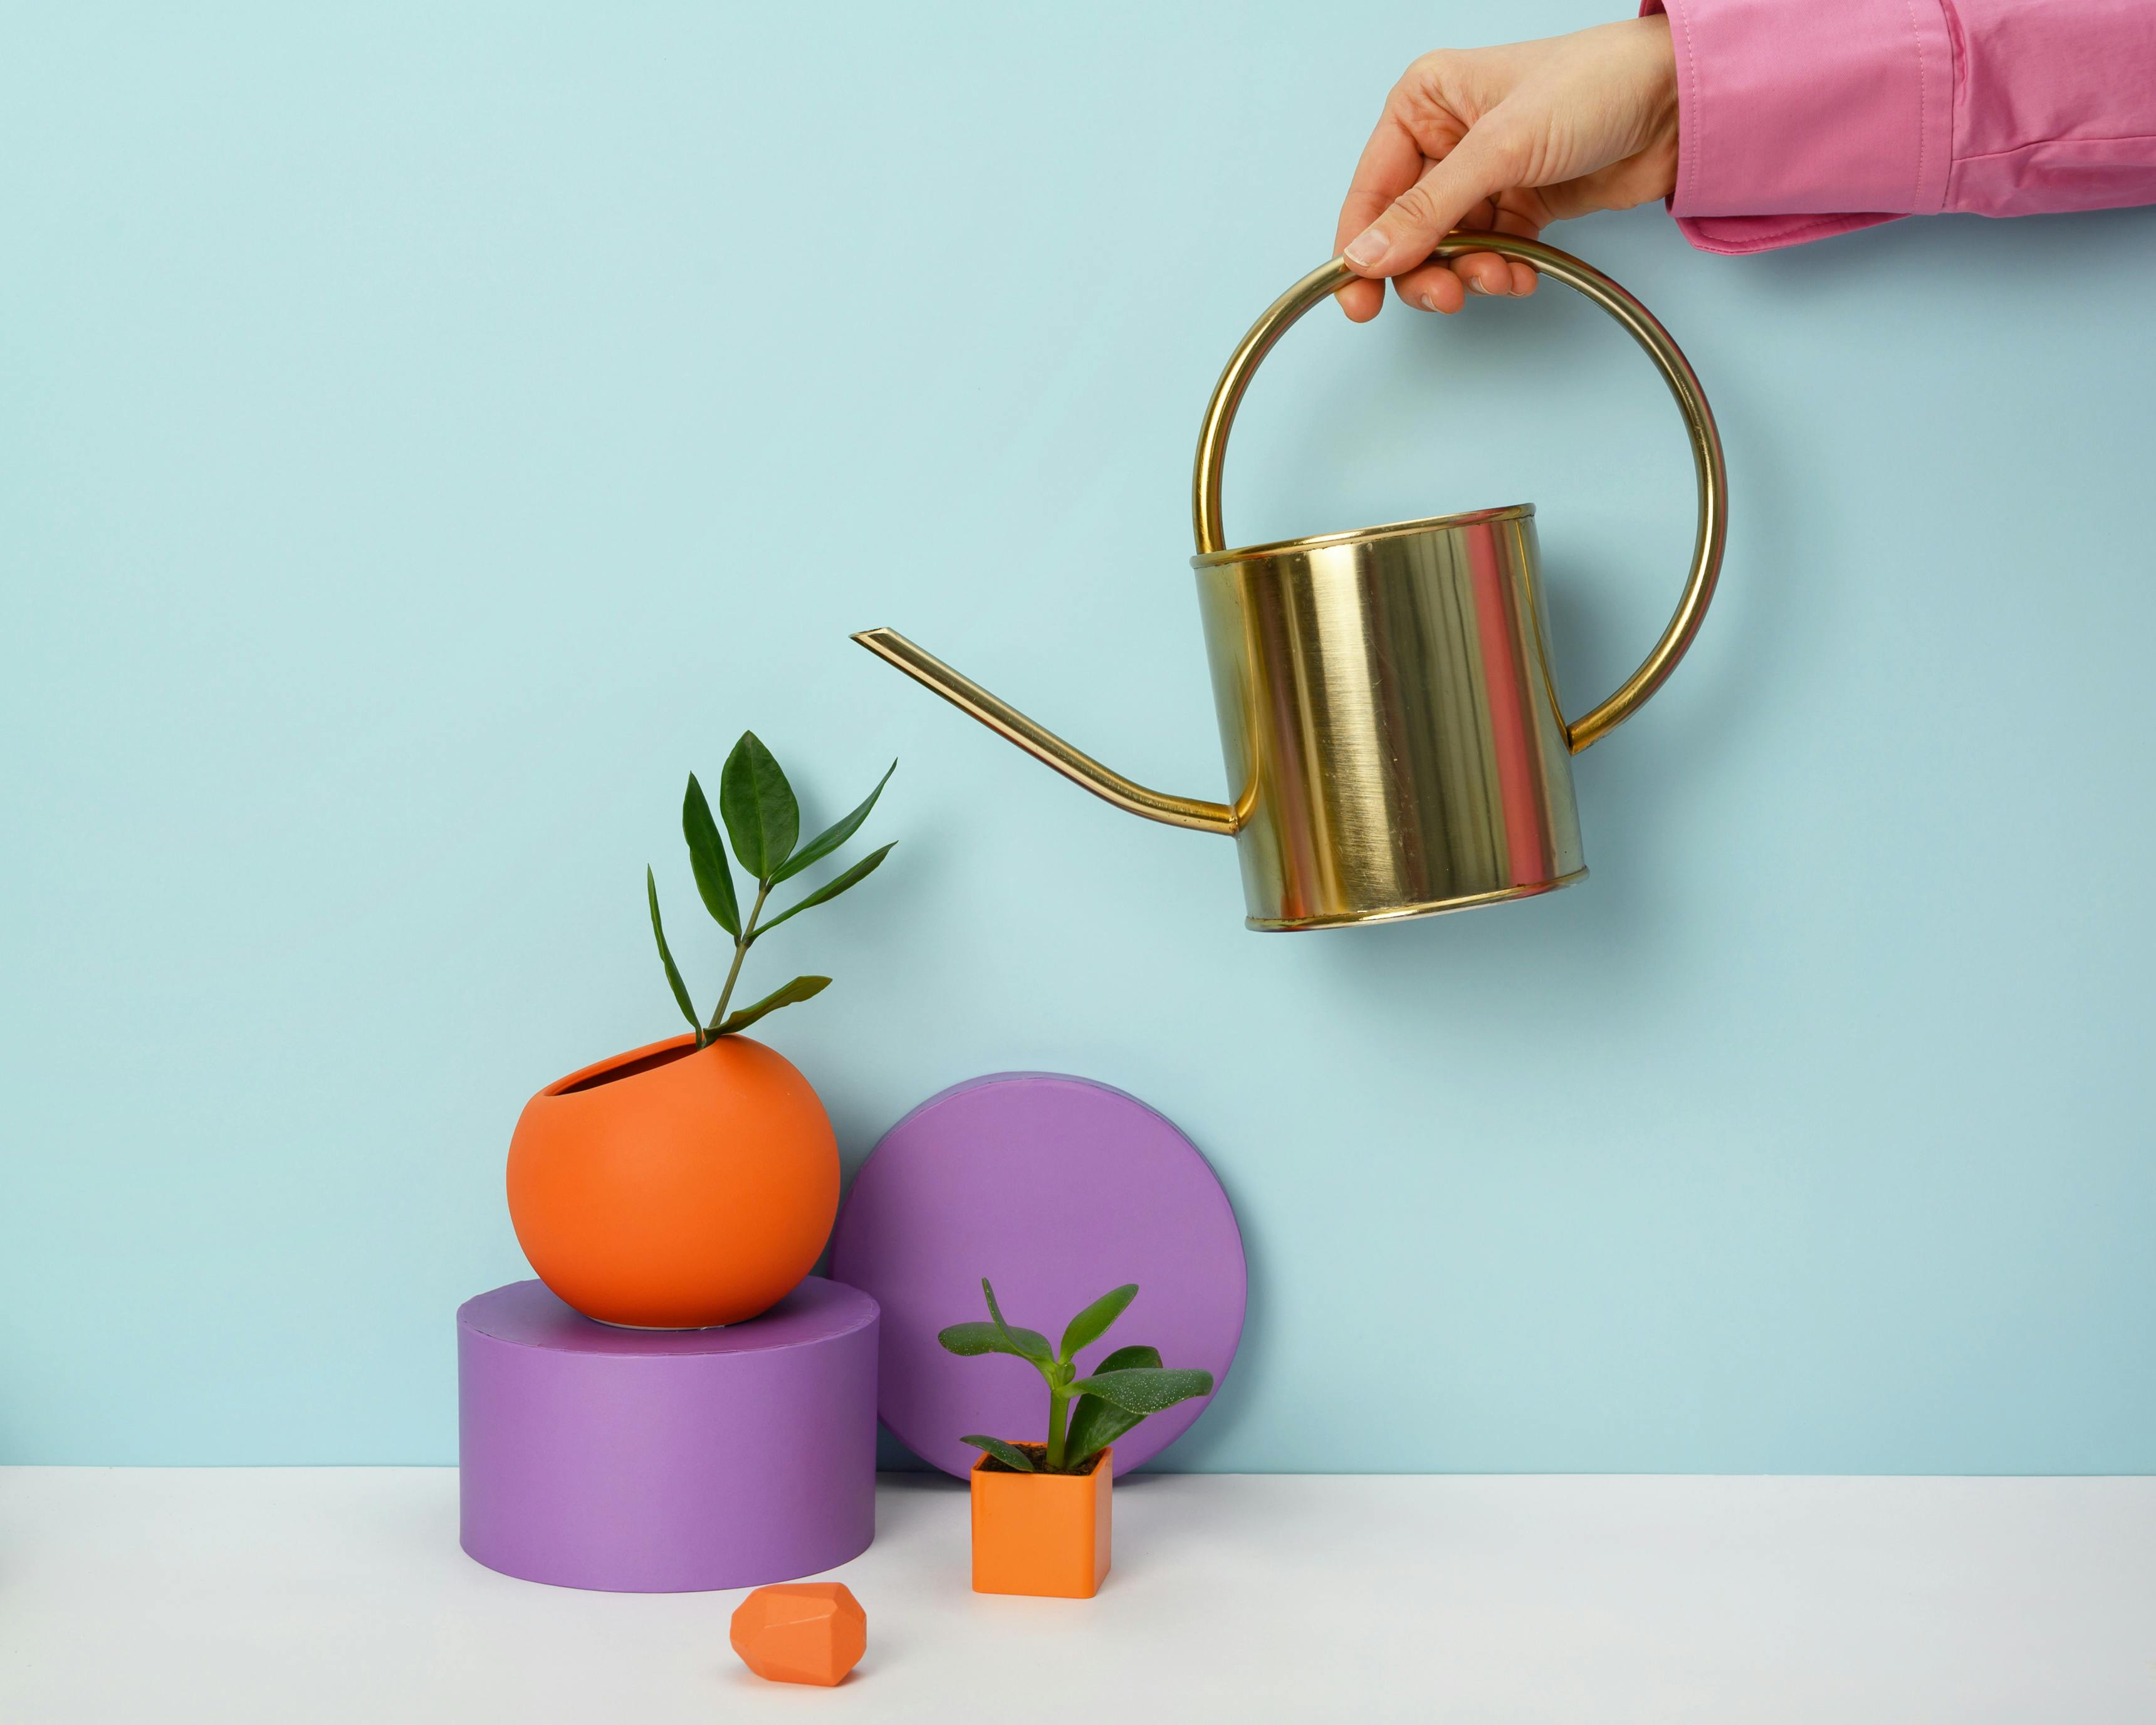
{"type": "Point", "coordinates": [1392, 731]}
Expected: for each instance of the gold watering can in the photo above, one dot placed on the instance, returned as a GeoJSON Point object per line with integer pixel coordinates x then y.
{"type": "Point", "coordinates": [1386, 710]}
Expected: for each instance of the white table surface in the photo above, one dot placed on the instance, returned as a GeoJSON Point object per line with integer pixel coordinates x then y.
{"type": "Point", "coordinates": [309, 1596]}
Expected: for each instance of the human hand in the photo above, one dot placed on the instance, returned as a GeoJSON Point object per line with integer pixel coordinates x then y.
{"type": "Point", "coordinates": [1505, 140]}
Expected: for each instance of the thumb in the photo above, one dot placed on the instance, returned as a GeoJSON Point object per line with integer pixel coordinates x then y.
{"type": "Point", "coordinates": [1412, 225]}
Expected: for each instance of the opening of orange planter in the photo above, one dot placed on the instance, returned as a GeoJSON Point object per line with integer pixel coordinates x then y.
{"type": "Point", "coordinates": [620, 1066]}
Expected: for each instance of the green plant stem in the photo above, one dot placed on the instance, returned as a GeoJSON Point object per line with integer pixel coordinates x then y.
{"type": "Point", "coordinates": [748, 934]}
{"type": "Point", "coordinates": [1059, 1397]}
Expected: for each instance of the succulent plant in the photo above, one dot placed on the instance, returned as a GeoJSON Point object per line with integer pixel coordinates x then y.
{"type": "Point", "coordinates": [764, 822]}
{"type": "Point", "coordinates": [1113, 1397]}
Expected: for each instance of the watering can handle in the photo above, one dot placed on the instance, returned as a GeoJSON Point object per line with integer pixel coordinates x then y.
{"type": "Point", "coordinates": [1669, 359]}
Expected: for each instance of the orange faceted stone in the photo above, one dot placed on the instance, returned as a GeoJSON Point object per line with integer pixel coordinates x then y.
{"type": "Point", "coordinates": [801, 1632]}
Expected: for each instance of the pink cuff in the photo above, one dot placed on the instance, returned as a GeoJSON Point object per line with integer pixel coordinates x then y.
{"type": "Point", "coordinates": [1798, 119]}
{"type": "Point", "coordinates": [1732, 236]}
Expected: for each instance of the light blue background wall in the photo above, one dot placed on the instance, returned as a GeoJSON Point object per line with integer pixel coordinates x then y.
{"type": "Point", "coordinates": [429, 433]}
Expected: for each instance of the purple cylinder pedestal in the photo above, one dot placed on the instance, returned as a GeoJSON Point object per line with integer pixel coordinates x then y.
{"type": "Point", "coordinates": [666, 1461]}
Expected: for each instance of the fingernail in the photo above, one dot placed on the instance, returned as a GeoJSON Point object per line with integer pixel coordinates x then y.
{"type": "Point", "coordinates": [1474, 285]}
{"type": "Point", "coordinates": [1429, 303]}
{"type": "Point", "coordinates": [1365, 248]}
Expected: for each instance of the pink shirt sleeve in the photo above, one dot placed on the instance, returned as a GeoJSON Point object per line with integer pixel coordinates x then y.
{"type": "Point", "coordinates": [1798, 119]}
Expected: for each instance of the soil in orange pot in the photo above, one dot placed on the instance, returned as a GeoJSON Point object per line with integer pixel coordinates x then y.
{"type": "Point", "coordinates": [674, 1186]}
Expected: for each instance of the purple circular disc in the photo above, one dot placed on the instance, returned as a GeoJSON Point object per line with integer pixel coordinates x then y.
{"type": "Point", "coordinates": [1056, 1189]}
{"type": "Point", "coordinates": [666, 1461]}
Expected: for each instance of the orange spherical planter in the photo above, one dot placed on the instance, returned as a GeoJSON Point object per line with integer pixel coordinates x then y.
{"type": "Point", "coordinates": [673, 1187]}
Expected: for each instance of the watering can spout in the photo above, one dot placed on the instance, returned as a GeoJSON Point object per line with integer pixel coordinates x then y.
{"type": "Point", "coordinates": [1044, 745]}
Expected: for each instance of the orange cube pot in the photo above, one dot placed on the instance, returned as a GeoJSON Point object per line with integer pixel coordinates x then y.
{"type": "Point", "coordinates": [1042, 1533]}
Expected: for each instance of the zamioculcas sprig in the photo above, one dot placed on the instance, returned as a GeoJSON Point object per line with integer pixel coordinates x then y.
{"type": "Point", "coordinates": [764, 822]}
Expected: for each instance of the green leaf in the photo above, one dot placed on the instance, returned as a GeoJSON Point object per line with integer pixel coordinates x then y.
{"type": "Point", "coordinates": [707, 856]}
{"type": "Point", "coordinates": [673, 976]}
{"type": "Point", "coordinates": [802, 987]}
{"type": "Point", "coordinates": [970, 1339]}
{"type": "Point", "coordinates": [976, 1339]}
{"type": "Point", "coordinates": [1094, 1425]}
{"type": "Point", "coordinates": [762, 816]}
{"type": "Point", "coordinates": [1030, 1344]}
{"type": "Point", "coordinates": [831, 889]}
{"type": "Point", "coordinates": [1092, 1323]}
{"type": "Point", "coordinates": [1145, 1390]}
{"type": "Point", "coordinates": [832, 837]}
{"type": "Point", "coordinates": [1009, 1454]}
